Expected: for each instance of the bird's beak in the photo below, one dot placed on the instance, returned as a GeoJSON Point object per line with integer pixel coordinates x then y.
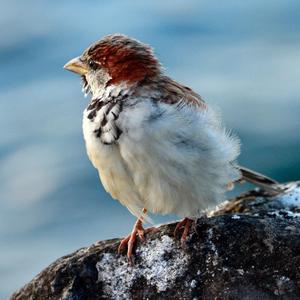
{"type": "Point", "coordinates": [76, 65]}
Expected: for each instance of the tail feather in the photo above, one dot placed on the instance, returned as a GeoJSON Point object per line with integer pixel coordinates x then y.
{"type": "Point", "coordinates": [268, 184]}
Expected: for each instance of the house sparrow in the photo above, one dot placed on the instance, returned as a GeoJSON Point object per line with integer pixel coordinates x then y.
{"type": "Point", "coordinates": [157, 145]}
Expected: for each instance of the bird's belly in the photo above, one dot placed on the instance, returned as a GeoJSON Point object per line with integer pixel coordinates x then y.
{"type": "Point", "coordinates": [106, 160]}
{"type": "Point", "coordinates": [115, 177]}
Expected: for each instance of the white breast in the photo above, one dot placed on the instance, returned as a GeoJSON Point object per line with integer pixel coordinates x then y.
{"type": "Point", "coordinates": [107, 160]}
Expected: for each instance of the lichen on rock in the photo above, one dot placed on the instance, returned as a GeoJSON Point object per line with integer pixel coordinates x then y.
{"type": "Point", "coordinates": [160, 264]}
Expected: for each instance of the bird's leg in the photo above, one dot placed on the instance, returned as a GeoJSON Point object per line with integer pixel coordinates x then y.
{"type": "Point", "coordinates": [186, 224]}
{"type": "Point", "coordinates": [137, 230]}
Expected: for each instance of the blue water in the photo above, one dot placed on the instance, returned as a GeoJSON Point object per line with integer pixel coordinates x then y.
{"type": "Point", "coordinates": [241, 56]}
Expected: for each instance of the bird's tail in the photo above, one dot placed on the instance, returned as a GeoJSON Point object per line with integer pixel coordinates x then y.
{"type": "Point", "coordinates": [268, 184]}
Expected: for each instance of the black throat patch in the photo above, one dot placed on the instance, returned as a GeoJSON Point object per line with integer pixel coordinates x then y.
{"type": "Point", "coordinates": [105, 113]}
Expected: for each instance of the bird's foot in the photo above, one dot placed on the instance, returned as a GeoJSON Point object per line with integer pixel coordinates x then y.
{"type": "Point", "coordinates": [186, 223]}
{"type": "Point", "coordinates": [130, 240]}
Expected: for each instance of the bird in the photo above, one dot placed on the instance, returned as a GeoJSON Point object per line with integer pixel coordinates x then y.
{"type": "Point", "coordinates": [157, 145]}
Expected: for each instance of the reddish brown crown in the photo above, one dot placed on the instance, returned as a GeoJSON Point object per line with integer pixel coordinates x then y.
{"type": "Point", "coordinates": [125, 59]}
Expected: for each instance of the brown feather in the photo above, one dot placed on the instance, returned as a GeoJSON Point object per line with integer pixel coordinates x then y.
{"type": "Point", "coordinates": [176, 93]}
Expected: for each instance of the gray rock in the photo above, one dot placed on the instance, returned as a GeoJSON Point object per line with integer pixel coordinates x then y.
{"type": "Point", "coordinates": [247, 248]}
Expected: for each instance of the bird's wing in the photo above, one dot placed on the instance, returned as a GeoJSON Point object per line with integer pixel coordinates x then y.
{"type": "Point", "coordinates": [173, 92]}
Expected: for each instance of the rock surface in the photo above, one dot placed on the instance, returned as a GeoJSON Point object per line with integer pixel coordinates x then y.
{"type": "Point", "coordinates": [248, 248]}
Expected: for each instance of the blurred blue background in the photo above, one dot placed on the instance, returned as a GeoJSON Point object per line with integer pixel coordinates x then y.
{"type": "Point", "coordinates": [241, 56]}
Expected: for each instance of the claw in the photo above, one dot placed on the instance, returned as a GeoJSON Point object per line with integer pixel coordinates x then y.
{"type": "Point", "coordinates": [123, 244]}
{"type": "Point", "coordinates": [130, 240]}
{"type": "Point", "coordinates": [186, 224]}
{"type": "Point", "coordinates": [141, 234]}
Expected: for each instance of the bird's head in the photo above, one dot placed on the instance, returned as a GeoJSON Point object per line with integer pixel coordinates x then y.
{"type": "Point", "coordinates": [114, 60]}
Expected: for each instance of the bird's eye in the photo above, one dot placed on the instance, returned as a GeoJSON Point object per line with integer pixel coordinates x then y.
{"type": "Point", "coordinates": [92, 64]}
